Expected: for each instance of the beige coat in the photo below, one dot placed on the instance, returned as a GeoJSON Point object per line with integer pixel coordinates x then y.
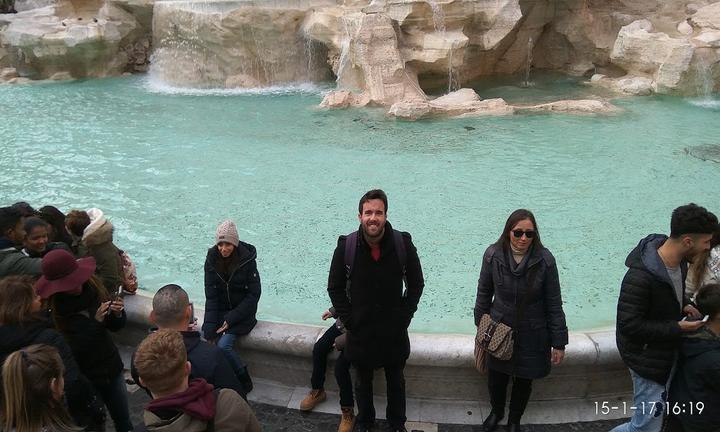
{"type": "Point", "coordinates": [232, 414]}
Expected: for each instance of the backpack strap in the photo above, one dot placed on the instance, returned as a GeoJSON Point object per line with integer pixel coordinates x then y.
{"type": "Point", "coordinates": [351, 245]}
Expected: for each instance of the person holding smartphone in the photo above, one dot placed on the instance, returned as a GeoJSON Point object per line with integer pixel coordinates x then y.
{"type": "Point", "coordinates": [85, 314]}
{"type": "Point", "coordinates": [232, 292]}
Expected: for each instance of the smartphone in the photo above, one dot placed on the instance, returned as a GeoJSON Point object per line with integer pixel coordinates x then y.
{"type": "Point", "coordinates": [691, 319]}
{"type": "Point", "coordinates": [116, 295]}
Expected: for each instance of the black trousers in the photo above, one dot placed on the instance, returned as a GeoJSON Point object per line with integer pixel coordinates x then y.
{"type": "Point", "coordinates": [521, 390]}
{"type": "Point", "coordinates": [321, 350]}
{"type": "Point", "coordinates": [395, 410]}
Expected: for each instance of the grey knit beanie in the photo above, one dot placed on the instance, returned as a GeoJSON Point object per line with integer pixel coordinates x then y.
{"type": "Point", "coordinates": [227, 232]}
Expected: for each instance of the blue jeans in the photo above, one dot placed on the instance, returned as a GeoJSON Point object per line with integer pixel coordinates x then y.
{"type": "Point", "coordinates": [114, 394]}
{"type": "Point", "coordinates": [649, 405]}
{"type": "Point", "coordinates": [227, 344]}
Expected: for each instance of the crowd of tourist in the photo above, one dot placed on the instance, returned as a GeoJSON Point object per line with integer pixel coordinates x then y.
{"type": "Point", "coordinates": [62, 283]}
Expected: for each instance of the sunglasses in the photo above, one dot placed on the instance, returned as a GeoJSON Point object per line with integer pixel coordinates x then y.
{"type": "Point", "coordinates": [519, 233]}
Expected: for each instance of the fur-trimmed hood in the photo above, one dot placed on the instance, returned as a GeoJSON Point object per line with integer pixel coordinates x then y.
{"type": "Point", "coordinates": [100, 229]}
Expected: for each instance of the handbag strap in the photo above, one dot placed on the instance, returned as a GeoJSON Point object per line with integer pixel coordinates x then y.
{"type": "Point", "coordinates": [489, 332]}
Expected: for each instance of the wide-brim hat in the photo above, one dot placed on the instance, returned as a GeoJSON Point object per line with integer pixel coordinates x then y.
{"type": "Point", "coordinates": [61, 272]}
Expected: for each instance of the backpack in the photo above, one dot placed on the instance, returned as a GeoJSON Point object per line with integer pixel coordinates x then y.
{"type": "Point", "coordinates": [128, 273]}
{"type": "Point", "coordinates": [351, 245]}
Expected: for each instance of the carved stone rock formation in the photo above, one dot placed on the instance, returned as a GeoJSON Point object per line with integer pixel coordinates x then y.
{"type": "Point", "coordinates": [380, 52]}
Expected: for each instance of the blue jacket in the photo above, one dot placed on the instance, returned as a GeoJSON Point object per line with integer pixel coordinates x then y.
{"type": "Point", "coordinates": [231, 295]}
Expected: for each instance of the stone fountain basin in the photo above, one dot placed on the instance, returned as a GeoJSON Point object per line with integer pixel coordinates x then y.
{"type": "Point", "coordinates": [441, 382]}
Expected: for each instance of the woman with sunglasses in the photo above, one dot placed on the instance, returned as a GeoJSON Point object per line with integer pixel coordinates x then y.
{"type": "Point", "coordinates": [519, 286]}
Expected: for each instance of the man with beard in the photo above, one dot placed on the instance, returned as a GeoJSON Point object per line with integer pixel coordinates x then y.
{"type": "Point", "coordinates": [366, 288]}
{"type": "Point", "coordinates": [652, 307]}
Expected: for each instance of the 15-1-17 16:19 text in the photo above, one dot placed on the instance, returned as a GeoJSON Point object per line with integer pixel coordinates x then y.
{"type": "Point", "coordinates": [692, 408]}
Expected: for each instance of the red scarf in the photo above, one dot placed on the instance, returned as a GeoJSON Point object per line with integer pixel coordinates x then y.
{"type": "Point", "coordinates": [198, 401]}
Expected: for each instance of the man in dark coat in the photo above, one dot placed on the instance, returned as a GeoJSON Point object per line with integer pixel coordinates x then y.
{"type": "Point", "coordinates": [172, 310]}
{"type": "Point", "coordinates": [695, 392]}
{"type": "Point", "coordinates": [369, 299]}
{"type": "Point", "coordinates": [651, 307]}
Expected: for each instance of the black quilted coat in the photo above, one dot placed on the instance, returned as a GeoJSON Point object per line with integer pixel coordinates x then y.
{"type": "Point", "coordinates": [531, 290]}
{"type": "Point", "coordinates": [648, 311]}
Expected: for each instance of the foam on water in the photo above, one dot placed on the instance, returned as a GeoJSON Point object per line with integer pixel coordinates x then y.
{"type": "Point", "coordinates": [707, 103]}
{"type": "Point", "coordinates": [155, 85]}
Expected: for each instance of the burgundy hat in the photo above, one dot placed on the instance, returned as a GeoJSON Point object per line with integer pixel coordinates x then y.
{"type": "Point", "coordinates": [62, 273]}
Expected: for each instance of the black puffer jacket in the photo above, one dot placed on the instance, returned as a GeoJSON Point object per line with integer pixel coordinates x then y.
{"type": "Point", "coordinates": [697, 379]}
{"type": "Point", "coordinates": [91, 344]}
{"type": "Point", "coordinates": [231, 293]}
{"type": "Point", "coordinates": [377, 318]}
{"type": "Point", "coordinates": [208, 362]}
{"type": "Point", "coordinates": [648, 311]}
{"type": "Point", "coordinates": [531, 288]}
{"type": "Point", "coordinates": [84, 404]}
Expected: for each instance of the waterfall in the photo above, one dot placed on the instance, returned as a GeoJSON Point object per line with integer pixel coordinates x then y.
{"type": "Point", "coordinates": [344, 62]}
{"type": "Point", "coordinates": [704, 81]}
{"type": "Point", "coordinates": [528, 62]}
{"type": "Point", "coordinates": [232, 44]}
{"type": "Point", "coordinates": [438, 16]}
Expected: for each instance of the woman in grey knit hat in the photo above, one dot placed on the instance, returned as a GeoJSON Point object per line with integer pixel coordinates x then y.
{"type": "Point", "coordinates": [232, 292]}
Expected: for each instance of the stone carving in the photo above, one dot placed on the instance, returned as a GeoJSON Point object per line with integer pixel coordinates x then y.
{"type": "Point", "coordinates": [77, 40]}
{"type": "Point", "coordinates": [229, 44]}
{"type": "Point", "coordinates": [381, 52]}
{"type": "Point", "coordinates": [467, 103]}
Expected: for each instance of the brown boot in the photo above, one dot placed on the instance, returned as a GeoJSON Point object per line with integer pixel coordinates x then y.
{"type": "Point", "coordinates": [348, 419]}
{"type": "Point", "coordinates": [312, 399]}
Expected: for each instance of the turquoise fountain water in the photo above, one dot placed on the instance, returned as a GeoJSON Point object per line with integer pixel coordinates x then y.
{"type": "Point", "coordinates": [168, 166]}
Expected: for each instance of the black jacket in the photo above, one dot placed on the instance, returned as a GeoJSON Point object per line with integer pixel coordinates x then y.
{"type": "Point", "coordinates": [648, 311]}
{"type": "Point", "coordinates": [532, 289]}
{"type": "Point", "coordinates": [14, 262]}
{"type": "Point", "coordinates": [231, 295]}
{"type": "Point", "coordinates": [697, 379]}
{"type": "Point", "coordinates": [208, 362]}
{"type": "Point", "coordinates": [83, 402]}
{"type": "Point", "coordinates": [91, 344]}
{"type": "Point", "coordinates": [377, 319]}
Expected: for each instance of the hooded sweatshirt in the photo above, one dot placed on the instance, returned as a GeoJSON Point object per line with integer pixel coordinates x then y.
{"type": "Point", "coordinates": [192, 410]}
{"type": "Point", "coordinates": [649, 308]}
{"type": "Point", "coordinates": [698, 380]}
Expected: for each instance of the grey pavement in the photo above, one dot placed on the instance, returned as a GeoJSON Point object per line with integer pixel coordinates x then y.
{"type": "Point", "coordinates": [281, 419]}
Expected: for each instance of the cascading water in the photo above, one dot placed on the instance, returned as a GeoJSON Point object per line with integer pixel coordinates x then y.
{"type": "Point", "coordinates": [704, 79]}
{"type": "Point", "coordinates": [528, 63]}
{"type": "Point", "coordinates": [704, 84]}
{"type": "Point", "coordinates": [345, 77]}
{"type": "Point", "coordinates": [439, 24]}
{"type": "Point", "coordinates": [232, 44]}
